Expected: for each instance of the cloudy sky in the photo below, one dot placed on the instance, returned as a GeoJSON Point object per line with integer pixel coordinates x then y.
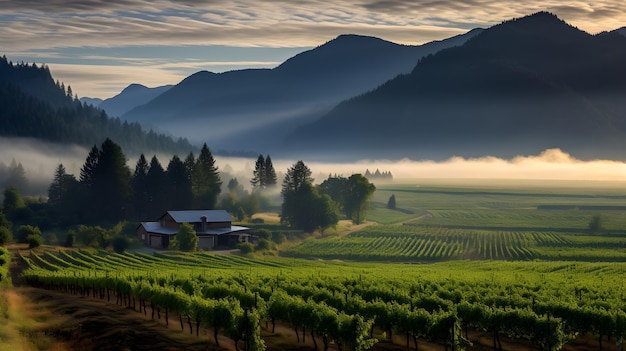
{"type": "Point", "coordinates": [100, 46]}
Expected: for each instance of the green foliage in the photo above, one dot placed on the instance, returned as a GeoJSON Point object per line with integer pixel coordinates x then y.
{"type": "Point", "coordinates": [263, 175]}
{"type": "Point", "coordinates": [70, 239]}
{"type": "Point", "coordinates": [357, 195]}
{"type": "Point", "coordinates": [263, 245]}
{"type": "Point", "coordinates": [5, 235]}
{"type": "Point", "coordinates": [13, 202]}
{"type": "Point", "coordinates": [245, 248]}
{"type": "Point", "coordinates": [186, 239]}
{"type": "Point", "coordinates": [206, 180]}
{"type": "Point", "coordinates": [263, 234]}
{"type": "Point", "coordinates": [106, 177]}
{"type": "Point", "coordinates": [24, 231]}
{"type": "Point", "coordinates": [94, 236]}
{"type": "Point", "coordinates": [306, 209]}
{"type": "Point", "coordinates": [120, 243]}
{"type": "Point", "coordinates": [34, 240]}
{"type": "Point", "coordinates": [241, 214]}
{"type": "Point", "coordinates": [278, 237]}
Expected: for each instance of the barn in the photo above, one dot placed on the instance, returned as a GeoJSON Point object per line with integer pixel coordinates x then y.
{"type": "Point", "coordinates": [213, 227]}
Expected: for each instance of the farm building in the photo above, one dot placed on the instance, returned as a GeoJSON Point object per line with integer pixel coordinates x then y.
{"type": "Point", "coordinates": [213, 227]}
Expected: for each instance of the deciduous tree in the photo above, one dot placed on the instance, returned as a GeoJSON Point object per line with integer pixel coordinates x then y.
{"type": "Point", "coordinates": [186, 239]}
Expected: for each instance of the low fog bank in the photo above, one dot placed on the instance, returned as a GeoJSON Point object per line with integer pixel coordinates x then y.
{"type": "Point", "coordinates": [551, 164]}
{"type": "Point", "coordinates": [40, 159]}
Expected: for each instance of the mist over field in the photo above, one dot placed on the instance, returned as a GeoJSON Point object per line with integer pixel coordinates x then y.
{"type": "Point", "coordinates": [40, 160]}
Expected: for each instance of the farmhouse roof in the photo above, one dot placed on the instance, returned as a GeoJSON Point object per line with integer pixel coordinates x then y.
{"type": "Point", "coordinates": [155, 227]}
{"type": "Point", "coordinates": [195, 216]}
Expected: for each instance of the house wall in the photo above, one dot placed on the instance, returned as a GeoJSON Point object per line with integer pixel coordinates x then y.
{"type": "Point", "coordinates": [142, 235]}
{"type": "Point", "coordinates": [168, 222]}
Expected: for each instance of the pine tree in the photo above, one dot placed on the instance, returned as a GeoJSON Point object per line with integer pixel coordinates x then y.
{"type": "Point", "coordinates": [297, 175]}
{"type": "Point", "coordinates": [179, 191]}
{"type": "Point", "coordinates": [140, 186]}
{"type": "Point", "coordinates": [270, 173]}
{"type": "Point", "coordinates": [155, 184]}
{"type": "Point", "coordinates": [259, 174]}
{"type": "Point", "coordinates": [206, 180]}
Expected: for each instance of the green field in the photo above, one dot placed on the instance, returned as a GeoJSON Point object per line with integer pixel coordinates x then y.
{"type": "Point", "coordinates": [489, 222]}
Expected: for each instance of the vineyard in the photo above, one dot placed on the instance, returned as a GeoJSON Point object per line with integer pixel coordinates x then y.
{"type": "Point", "coordinates": [449, 223]}
{"type": "Point", "coordinates": [350, 306]}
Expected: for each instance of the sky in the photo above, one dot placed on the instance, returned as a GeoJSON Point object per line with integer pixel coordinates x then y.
{"type": "Point", "coordinates": [99, 47]}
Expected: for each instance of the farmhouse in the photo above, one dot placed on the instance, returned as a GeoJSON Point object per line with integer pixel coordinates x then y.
{"type": "Point", "coordinates": [213, 227]}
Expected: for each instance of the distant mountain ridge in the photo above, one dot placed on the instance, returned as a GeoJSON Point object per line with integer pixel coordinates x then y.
{"type": "Point", "coordinates": [252, 109]}
{"type": "Point", "coordinates": [520, 87]}
{"type": "Point", "coordinates": [132, 96]}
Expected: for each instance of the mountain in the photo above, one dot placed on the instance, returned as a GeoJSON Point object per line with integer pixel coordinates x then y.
{"type": "Point", "coordinates": [95, 102]}
{"type": "Point", "coordinates": [252, 109]}
{"type": "Point", "coordinates": [32, 105]}
{"type": "Point", "coordinates": [519, 87]}
{"type": "Point", "coordinates": [621, 31]}
{"type": "Point", "coordinates": [132, 96]}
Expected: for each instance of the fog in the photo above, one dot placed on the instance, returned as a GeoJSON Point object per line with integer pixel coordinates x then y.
{"type": "Point", "coordinates": [40, 160]}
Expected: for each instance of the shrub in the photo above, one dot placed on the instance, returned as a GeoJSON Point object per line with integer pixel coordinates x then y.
{"type": "Point", "coordinates": [278, 237]}
{"type": "Point", "coordinates": [5, 235]}
{"type": "Point", "coordinates": [70, 239]}
{"type": "Point", "coordinates": [34, 240]}
{"type": "Point", "coordinates": [263, 245]}
{"type": "Point", "coordinates": [245, 248]}
{"type": "Point", "coordinates": [24, 231]}
{"type": "Point", "coordinates": [120, 243]}
{"type": "Point", "coordinates": [264, 234]}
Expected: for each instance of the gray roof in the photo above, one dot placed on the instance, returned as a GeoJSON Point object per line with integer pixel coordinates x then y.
{"type": "Point", "coordinates": [155, 228]}
{"type": "Point", "coordinates": [195, 216]}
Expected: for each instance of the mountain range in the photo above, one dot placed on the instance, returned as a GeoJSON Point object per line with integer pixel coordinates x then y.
{"type": "Point", "coordinates": [519, 87]}
{"type": "Point", "coordinates": [261, 106]}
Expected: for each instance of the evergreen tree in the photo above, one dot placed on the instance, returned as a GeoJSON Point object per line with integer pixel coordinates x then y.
{"type": "Point", "coordinates": [155, 185]}
{"type": "Point", "coordinates": [270, 173]}
{"type": "Point", "coordinates": [107, 181]}
{"type": "Point", "coordinates": [17, 176]}
{"type": "Point", "coordinates": [206, 180]}
{"type": "Point", "coordinates": [140, 187]}
{"type": "Point", "coordinates": [190, 165]}
{"type": "Point", "coordinates": [259, 174]}
{"type": "Point", "coordinates": [63, 198]}
{"type": "Point", "coordinates": [87, 172]}
{"type": "Point", "coordinates": [296, 176]}
{"type": "Point", "coordinates": [179, 191]}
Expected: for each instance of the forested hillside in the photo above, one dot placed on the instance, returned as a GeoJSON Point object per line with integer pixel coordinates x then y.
{"type": "Point", "coordinates": [520, 87]}
{"type": "Point", "coordinates": [33, 105]}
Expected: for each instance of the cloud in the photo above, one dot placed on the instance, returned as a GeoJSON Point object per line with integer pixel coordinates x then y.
{"type": "Point", "coordinates": [44, 29]}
